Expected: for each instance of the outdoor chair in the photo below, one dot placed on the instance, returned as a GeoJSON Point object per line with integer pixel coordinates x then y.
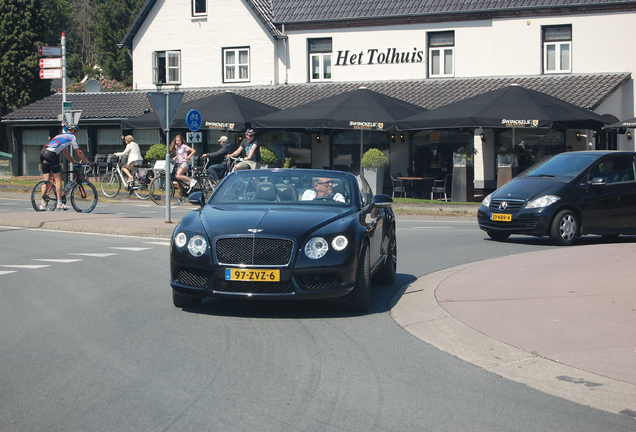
{"type": "Point", "coordinates": [442, 187]}
{"type": "Point", "coordinates": [399, 186]}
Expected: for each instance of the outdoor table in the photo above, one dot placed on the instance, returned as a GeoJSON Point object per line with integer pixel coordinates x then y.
{"type": "Point", "coordinates": [419, 185]}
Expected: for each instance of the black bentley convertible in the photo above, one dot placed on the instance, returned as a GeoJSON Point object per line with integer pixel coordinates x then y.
{"type": "Point", "coordinates": [285, 234]}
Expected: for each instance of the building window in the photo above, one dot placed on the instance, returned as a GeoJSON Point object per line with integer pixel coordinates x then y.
{"type": "Point", "coordinates": [441, 50]}
{"type": "Point", "coordinates": [557, 49]}
{"type": "Point", "coordinates": [199, 8]}
{"type": "Point", "coordinates": [320, 60]}
{"type": "Point", "coordinates": [236, 64]}
{"type": "Point", "coordinates": [166, 67]}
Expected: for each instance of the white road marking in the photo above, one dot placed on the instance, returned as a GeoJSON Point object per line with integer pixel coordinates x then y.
{"type": "Point", "coordinates": [132, 249]}
{"type": "Point", "coordinates": [159, 243]}
{"type": "Point", "coordinates": [63, 261]}
{"type": "Point", "coordinates": [26, 266]}
{"type": "Point", "coordinates": [96, 255]}
{"type": "Point", "coordinates": [7, 272]}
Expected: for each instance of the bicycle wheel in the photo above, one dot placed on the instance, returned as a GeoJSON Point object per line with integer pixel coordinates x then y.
{"type": "Point", "coordinates": [206, 185]}
{"type": "Point", "coordinates": [142, 191]}
{"type": "Point", "coordinates": [49, 197]}
{"type": "Point", "coordinates": [110, 183]}
{"type": "Point", "coordinates": [84, 197]}
{"type": "Point", "coordinates": [157, 190]}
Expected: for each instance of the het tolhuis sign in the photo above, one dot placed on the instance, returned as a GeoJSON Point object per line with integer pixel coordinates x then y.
{"type": "Point", "coordinates": [375, 56]}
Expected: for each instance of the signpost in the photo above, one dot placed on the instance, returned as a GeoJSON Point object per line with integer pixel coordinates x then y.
{"type": "Point", "coordinates": [51, 62]}
{"type": "Point", "coordinates": [50, 51]}
{"type": "Point", "coordinates": [50, 73]}
{"type": "Point", "coordinates": [194, 137]}
{"type": "Point", "coordinates": [165, 115]}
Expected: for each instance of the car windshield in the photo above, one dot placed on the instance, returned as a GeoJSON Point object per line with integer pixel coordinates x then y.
{"type": "Point", "coordinates": [285, 187]}
{"type": "Point", "coordinates": [564, 165]}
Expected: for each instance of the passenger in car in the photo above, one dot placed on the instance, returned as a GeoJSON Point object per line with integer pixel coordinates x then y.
{"type": "Point", "coordinates": [323, 189]}
{"type": "Point", "coordinates": [609, 174]}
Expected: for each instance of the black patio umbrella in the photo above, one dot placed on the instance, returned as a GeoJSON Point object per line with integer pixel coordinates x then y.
{"type": "Point", "coordinates": [508, 107]}
{"type": "Point", "coordinates": [227, 111]}
{"type": "Point", "coordinates": [629, 123]}
{"type": "Point", "coordinates": [361, 109]}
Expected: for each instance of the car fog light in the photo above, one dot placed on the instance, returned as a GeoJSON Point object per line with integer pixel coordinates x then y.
{"type": "Point", "coordinates": [339, 243]}
{"type": "Point", "coordinates": [197, 245]}
{"type": "Point", "coordinates": [316, 248]}
{"type": "Point", "coordinates": [180, 240]}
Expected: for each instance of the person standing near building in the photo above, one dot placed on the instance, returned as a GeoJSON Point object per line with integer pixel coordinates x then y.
{"type": "Point", "coordinates": [50, 160]}
{"type": "Point", "coordinates": [134, 157]}
{"type": "Point", "coordinates": [219, 167]}
{"type": "Point", "coordinates": [252, 159]}
{"type": "Point", "coordinates": [278, 149]}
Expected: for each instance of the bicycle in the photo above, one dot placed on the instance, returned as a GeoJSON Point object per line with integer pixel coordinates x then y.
{"type": "Point", "coordinates": [110, 183]}
{"type": "Point", "coordinates": [83, 193]}
{"type": "Point", "coordinates": [204, 183]}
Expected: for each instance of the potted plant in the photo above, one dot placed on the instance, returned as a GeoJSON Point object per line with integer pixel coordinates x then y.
{"type": "Point", "coordinates": [462, 188]}
{"type": "Point", "coordinates": [268, 158]}
{"type": "Point", "coordinates": [156, 152]}
{"type": "Point", "coordinates": [374, 161]}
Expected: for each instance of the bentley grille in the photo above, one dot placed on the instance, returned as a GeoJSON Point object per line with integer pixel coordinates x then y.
{"type": "Point", "coordinates": [259, 251]}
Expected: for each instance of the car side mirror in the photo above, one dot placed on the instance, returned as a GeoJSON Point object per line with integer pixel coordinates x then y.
{"type": "Point", "coordinates": [381, 200]}
{"type": "Point", "coordinates": [597, 181]}
{"type": "Point", "coordinates": [197, 198]}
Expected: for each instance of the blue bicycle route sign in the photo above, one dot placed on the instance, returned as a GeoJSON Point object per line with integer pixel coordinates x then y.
{"type": "Point", "coordinates": [193, 120]}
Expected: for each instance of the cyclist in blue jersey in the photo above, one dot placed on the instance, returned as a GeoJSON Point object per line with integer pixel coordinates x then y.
{"type": "Point", "coordinates": [50, 159]}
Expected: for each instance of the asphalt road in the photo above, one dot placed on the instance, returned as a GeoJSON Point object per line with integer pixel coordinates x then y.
{"type": "Point", "coordinates": [91, 341]}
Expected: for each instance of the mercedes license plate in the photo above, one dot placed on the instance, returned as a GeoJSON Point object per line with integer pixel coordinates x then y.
{"type": "Point", "coordinates": [501, 217]}
{"type": "Point", "coordinates": [248, 275]}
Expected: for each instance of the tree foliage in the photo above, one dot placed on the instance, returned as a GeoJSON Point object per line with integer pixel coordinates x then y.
{"type": "Point", "coordinates": [25, 25]}
{"type": "Point", "coordinates": [93, 29]}
{"type": "Point", "coordinates": [112, 20]}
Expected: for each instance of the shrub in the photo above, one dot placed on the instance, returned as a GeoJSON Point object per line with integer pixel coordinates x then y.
{"type": "Point", "coordinates": [107, 85]}
{"type": "Point", "coordinates": [374, 158]}
{"type": "Point", "coordinates": [156, 152]}
{"type": "Point", "coordinates": [268, 157]}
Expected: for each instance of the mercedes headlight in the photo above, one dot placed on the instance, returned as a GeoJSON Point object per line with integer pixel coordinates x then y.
{"type": "Point", "coordinates": [316, 248]}
{"type": "Point", "coordinates": [197, 245]}
{"type": "Point", "coordinates": [486, 201]}
{"type": "Point", "coordinates": [543, 201]}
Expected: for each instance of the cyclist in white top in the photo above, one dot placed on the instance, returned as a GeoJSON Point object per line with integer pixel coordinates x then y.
{"type": "Point", "coordinates": [134, 156]}
{"type": "Point", "coordinates": [183, 155]}
{"type": "Point", "coordinates": [50, 160]}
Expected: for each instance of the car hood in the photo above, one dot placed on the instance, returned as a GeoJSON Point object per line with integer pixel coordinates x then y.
{"type": "Point", "coordinates": [280, 221]}
{"type": "Point", "coordinates": [528, 188]}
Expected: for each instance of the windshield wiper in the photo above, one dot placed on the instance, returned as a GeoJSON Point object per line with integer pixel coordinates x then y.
{"type": "Point", "coordinates": [540, 175]}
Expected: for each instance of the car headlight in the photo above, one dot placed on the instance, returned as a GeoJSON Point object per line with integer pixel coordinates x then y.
{"type": "Point", "coordinates": [339, 243]}
{"type": "Point", "coordinates": [486, 201]}
{"type": "Point", "coordinates": [180, 240]}
{"type": "Point", "coordinates": [197, 245]}
{"type": "Point", "coordinates": [543, 201]}
{"type": "Point", "coordinates": [316, 248]}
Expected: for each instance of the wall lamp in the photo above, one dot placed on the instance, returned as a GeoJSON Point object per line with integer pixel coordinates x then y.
{"type": "Point", "coordinates": [401, 137]}
{"type": "Point", "coordinates": [318, 139]}
{"type": "Point", "coordinates": [629, 135]}
{"type": "Point", "coordinates": [392, 138]}
{"type": "Point", "coordinates": [482, 136]}
{"type": "Point", "coordinates": [578, 136]}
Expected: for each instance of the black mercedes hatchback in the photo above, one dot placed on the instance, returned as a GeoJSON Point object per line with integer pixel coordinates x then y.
{"type": "Point", "coordinates": [566, 196]}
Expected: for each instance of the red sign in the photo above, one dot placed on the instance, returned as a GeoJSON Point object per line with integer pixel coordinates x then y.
{"type": "Point", "coordinates": [51, 63]}
{"type": "Point", "coordinates": [50, 73]}
{"type": "Point", "coordinates": [49, 51]}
